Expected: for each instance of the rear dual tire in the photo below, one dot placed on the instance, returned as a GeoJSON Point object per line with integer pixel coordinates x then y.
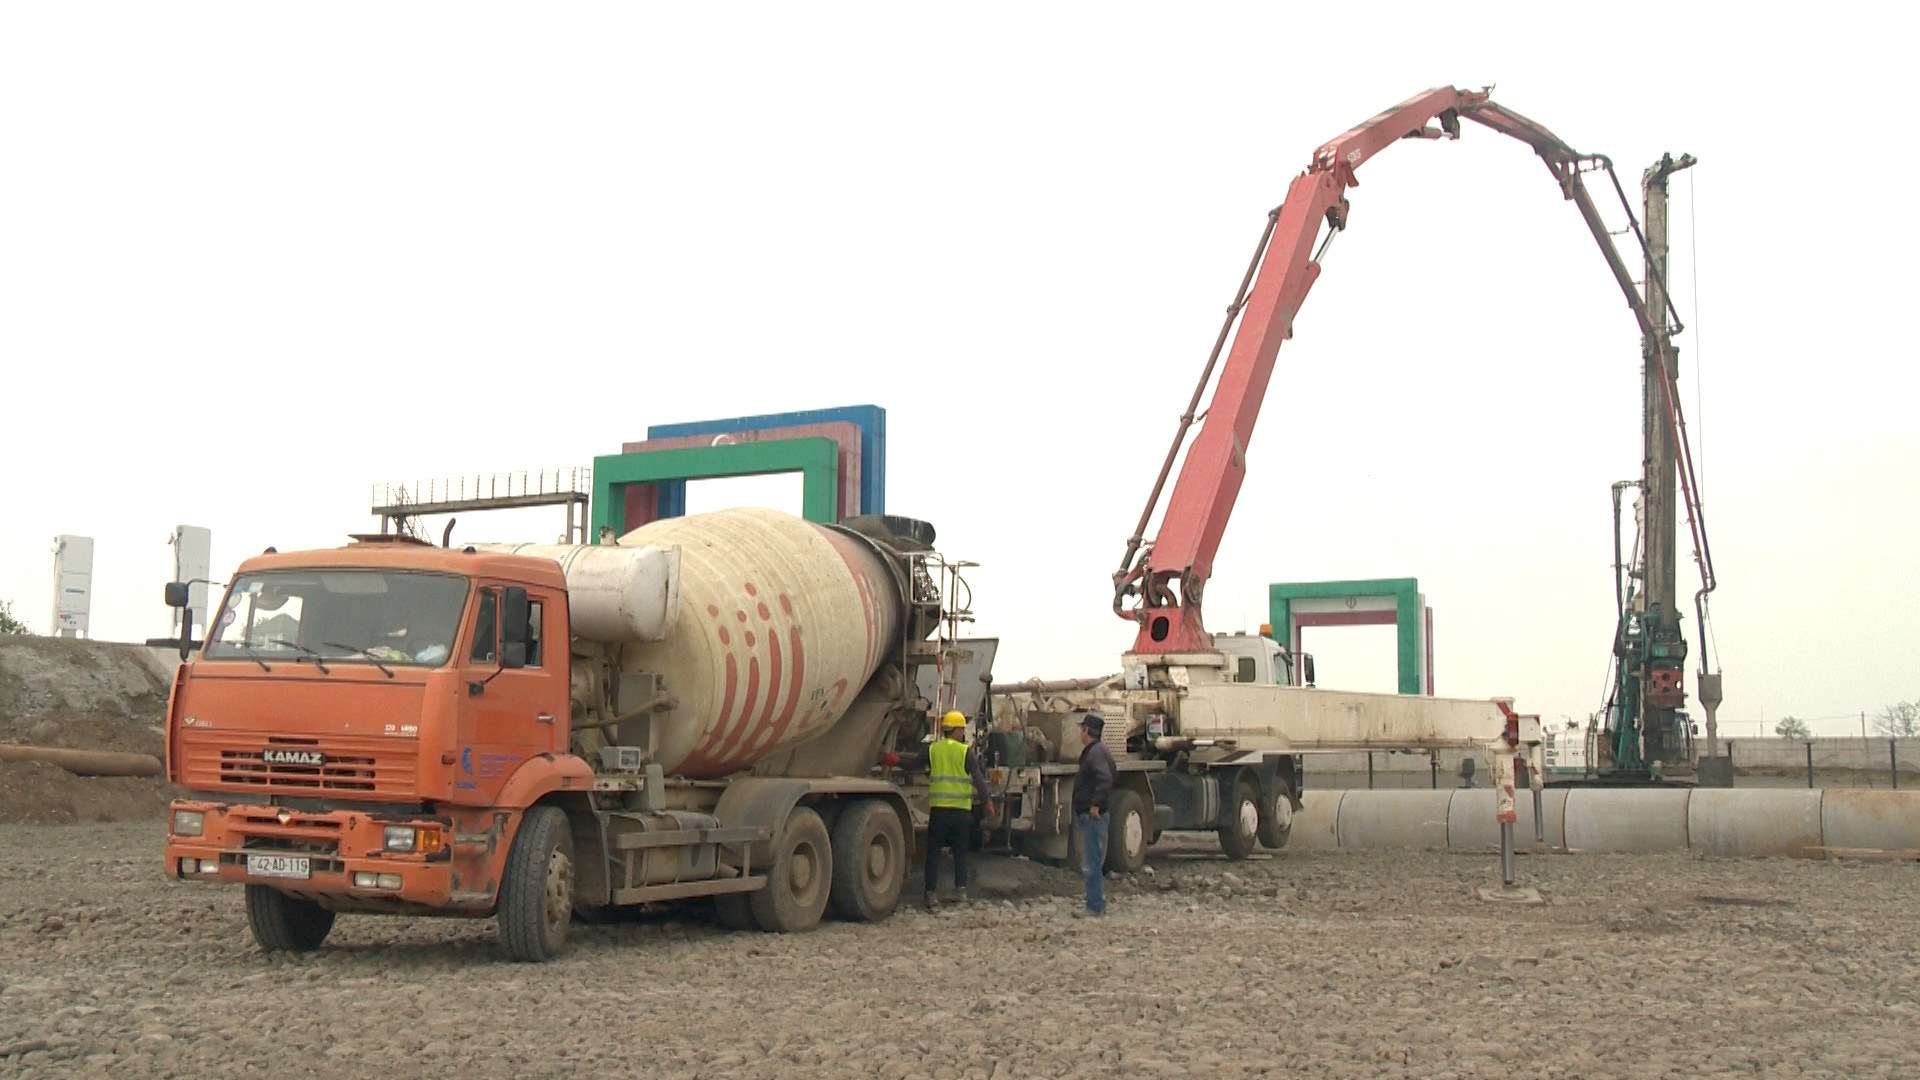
{"type": "Point", "coordinates": [799, 877]}
{"type": "Point", "coordinates": [869, 861]}
{"type": "Point", "coordinates": [1241, 832]}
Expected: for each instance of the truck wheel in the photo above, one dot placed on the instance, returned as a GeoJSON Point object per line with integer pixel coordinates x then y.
{"type": "Point", "coordinates": [1276, 817]}
{"type": "Point", "coordinates": [283, 923]}
{"type": "Point", "coordinates": [869, 861]}
{"type": "Point", "coordinates": [1126, 831]}
{"type": "Point", "coordinates": [536, 893]}
{"type": "Point", "coordinates": [1242, 831]}
{"type": "Point", "coordinates": [795, 895]}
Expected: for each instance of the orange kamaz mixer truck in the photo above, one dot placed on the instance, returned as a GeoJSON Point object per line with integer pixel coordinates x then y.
{"type": "Point", "coordinates": [524, 731]}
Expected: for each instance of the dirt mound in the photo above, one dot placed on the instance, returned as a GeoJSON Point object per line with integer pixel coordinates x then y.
{"type": "Point", "coordinates": [80, 695]}
{"type": "Point", "coordinates": [36, 793]}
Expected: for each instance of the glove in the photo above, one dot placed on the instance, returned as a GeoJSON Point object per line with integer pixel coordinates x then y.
{"type": "Point", "coordinates": [889, 759]}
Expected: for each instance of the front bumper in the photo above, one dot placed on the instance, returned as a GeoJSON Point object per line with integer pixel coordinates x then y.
{"type": "Point", "coordinates": [320, 855]}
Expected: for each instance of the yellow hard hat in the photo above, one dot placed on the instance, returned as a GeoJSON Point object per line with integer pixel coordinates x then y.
{"type": "Point", "coordinates": [953, 719]}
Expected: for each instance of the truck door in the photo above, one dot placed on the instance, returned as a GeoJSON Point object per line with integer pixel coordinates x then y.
{"type": "Point", "coordinates": [519, 712]}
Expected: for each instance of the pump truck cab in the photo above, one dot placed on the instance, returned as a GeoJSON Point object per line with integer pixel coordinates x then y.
{"type": "Point", "coordinates": [527, 731]}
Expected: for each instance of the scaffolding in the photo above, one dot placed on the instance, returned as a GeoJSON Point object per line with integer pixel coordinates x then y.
{"type": "Point", "coordinates": [399, 506]}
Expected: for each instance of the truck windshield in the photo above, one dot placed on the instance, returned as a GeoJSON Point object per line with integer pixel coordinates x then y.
{"type": "Point", "coordinates": [346, 616]}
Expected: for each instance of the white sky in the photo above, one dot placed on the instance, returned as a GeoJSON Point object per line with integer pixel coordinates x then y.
{"type": "Point", "coordinates": [255, 258]}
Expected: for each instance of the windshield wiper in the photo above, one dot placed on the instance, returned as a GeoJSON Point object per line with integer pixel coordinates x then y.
{"type": "Point", "coordinates": [317, 661]}
{"type": "Point", "coordinates": [255, 657]}
{"type": "Point", "coordinates": [384, 669]}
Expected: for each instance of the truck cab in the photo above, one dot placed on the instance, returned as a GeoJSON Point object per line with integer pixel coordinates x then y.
{"type": "Point", "coordinates": [1257, 658]}
{"type": "Point", "coordinates": [353, 721]}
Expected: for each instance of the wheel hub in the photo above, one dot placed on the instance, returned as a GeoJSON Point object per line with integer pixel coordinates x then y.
{"type": "Point", "coordinates": [802, 870]}
{"type": "Point", "coordinates": [559, 892]}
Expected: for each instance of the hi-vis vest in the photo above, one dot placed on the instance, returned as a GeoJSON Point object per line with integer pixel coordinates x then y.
{"type": "Point", "coordinates": [951, 788]}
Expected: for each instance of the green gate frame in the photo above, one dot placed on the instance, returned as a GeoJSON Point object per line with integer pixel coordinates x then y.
{"type": "Point", "coordinates": [816, 459]}
{"type": "Point", "coordinates": [1410, 617]}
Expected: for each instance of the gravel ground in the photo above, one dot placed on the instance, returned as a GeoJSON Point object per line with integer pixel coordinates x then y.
{"type": "Point", "coordinates": [1332, 964]}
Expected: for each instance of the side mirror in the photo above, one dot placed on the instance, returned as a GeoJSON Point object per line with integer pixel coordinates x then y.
{"type": "Point", "coordinates": [513, 627]}
{"type": "Point", "coordinates": [1306, 667]}
{"type": "Point", "coordinates": [176, 594]}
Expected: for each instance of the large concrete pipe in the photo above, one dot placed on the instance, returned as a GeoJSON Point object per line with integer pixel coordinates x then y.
{"type": "Point", "coordinates": [1316, 826]}
{"type": "Point", "coordinates": [1627, 820]}
{"type": "Point", "coordinates": [1881, 820]}
{"type": "Point", "coordinates": [1723, 821]}
{"type": "Point", "coordinates": [1734, 822]}
{"type": "Point", "coordinates": [1471, 824]}
{"type": "Point", "coordinates": [1394, 819]}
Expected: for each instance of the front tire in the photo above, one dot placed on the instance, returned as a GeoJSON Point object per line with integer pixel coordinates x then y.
{"type": "Point", "coordinates": [869, 861]}
{"type": "Point", "coordinates": [536, 896]}
{"type": "Point", "coordinates": [1126, 831]}
{"type": "Point", "coordinates": [282, 923]}
{"type": "Point", "coordinates": [1242, 831]}
{"type": "Point", "coordinates": [798, 878]}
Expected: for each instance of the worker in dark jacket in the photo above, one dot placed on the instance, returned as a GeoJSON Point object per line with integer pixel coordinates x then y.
{"type": "Point", "coordinates": [1091, 786]}
{"type": "Point", "coordinates": [957, 785]}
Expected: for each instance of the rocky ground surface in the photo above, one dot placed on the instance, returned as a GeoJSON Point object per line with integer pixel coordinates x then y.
{"type": "Point", "coordinates": [1334, 964]}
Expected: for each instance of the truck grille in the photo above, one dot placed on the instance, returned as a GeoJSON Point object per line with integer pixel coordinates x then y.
{"type": "Point", "coordinates": [276, 764]}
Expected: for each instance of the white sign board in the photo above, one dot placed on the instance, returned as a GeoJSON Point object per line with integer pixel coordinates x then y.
{"type": "Point", "coordinates": [72, 585]}
{"type": "Point", "coordinates": [192, 561]}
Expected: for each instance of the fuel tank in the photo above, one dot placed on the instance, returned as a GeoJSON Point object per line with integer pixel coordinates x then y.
{"type": "Point", "coordinates": [779, 624]}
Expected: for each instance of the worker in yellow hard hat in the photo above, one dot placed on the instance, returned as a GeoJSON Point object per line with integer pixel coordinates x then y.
{"type": "Point", "coordinates": [957, 784]}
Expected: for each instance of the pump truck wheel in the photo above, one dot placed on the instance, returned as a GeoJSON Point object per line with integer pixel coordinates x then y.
{"type": "Point", "coordinates": [1126, 831]}
{"type": "Point", "coordinates": [869, 861]}
{"type": "Point", "coordinates": [283, 923]}
{"type": "Point", "coordinates": [1276, 816]}
{"type": "Point", "coordinates": [798, 878]}
{"type": "Point", "coordinates": [536, 893]}
{"type": "Point", "coordinates": [1241, 832]}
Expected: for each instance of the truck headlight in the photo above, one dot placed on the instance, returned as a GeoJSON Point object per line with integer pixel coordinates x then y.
{"type": "Point", "coordinates": [189, 823]}
{"type": "Point", "coordinates": [401, 838]}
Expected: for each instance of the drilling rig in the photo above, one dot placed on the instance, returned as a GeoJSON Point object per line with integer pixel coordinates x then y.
{"type": "Point", "coordinates": [1648, 735]}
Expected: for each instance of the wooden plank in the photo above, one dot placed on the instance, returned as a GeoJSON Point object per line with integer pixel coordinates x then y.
{"type": "Point", "coordinates": [648, 894]}
{"type": "Point", "coordinates": [1896, 854]}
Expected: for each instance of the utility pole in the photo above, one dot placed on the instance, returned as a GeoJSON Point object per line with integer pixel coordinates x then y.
{"type": "Point", "coordinates": [1663, 663]}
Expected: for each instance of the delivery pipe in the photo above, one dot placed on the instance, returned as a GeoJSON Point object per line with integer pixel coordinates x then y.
{"type": "Point", "coordinates": [1712, 821]}
{"type": "Point", "coordinates": [86, 762]}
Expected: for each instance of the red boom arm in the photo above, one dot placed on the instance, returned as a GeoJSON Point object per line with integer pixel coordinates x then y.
{"type": "Point", "coordinates": [1166, 578]}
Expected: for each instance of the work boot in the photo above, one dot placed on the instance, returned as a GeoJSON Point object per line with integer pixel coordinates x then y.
{"type": "Point", "coordinates": [960, 895]}
{"type": "Point", "coordinates": [933, 901]}
{"type": "Point", "coordinates": [1088, 913]}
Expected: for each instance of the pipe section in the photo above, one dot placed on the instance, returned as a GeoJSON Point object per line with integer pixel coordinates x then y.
{"type": "Point", "coordinates": [1712, 821]}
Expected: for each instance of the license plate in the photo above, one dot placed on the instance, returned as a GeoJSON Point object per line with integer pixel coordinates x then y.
{"type": "Point", "coordinates": [287, 866]}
